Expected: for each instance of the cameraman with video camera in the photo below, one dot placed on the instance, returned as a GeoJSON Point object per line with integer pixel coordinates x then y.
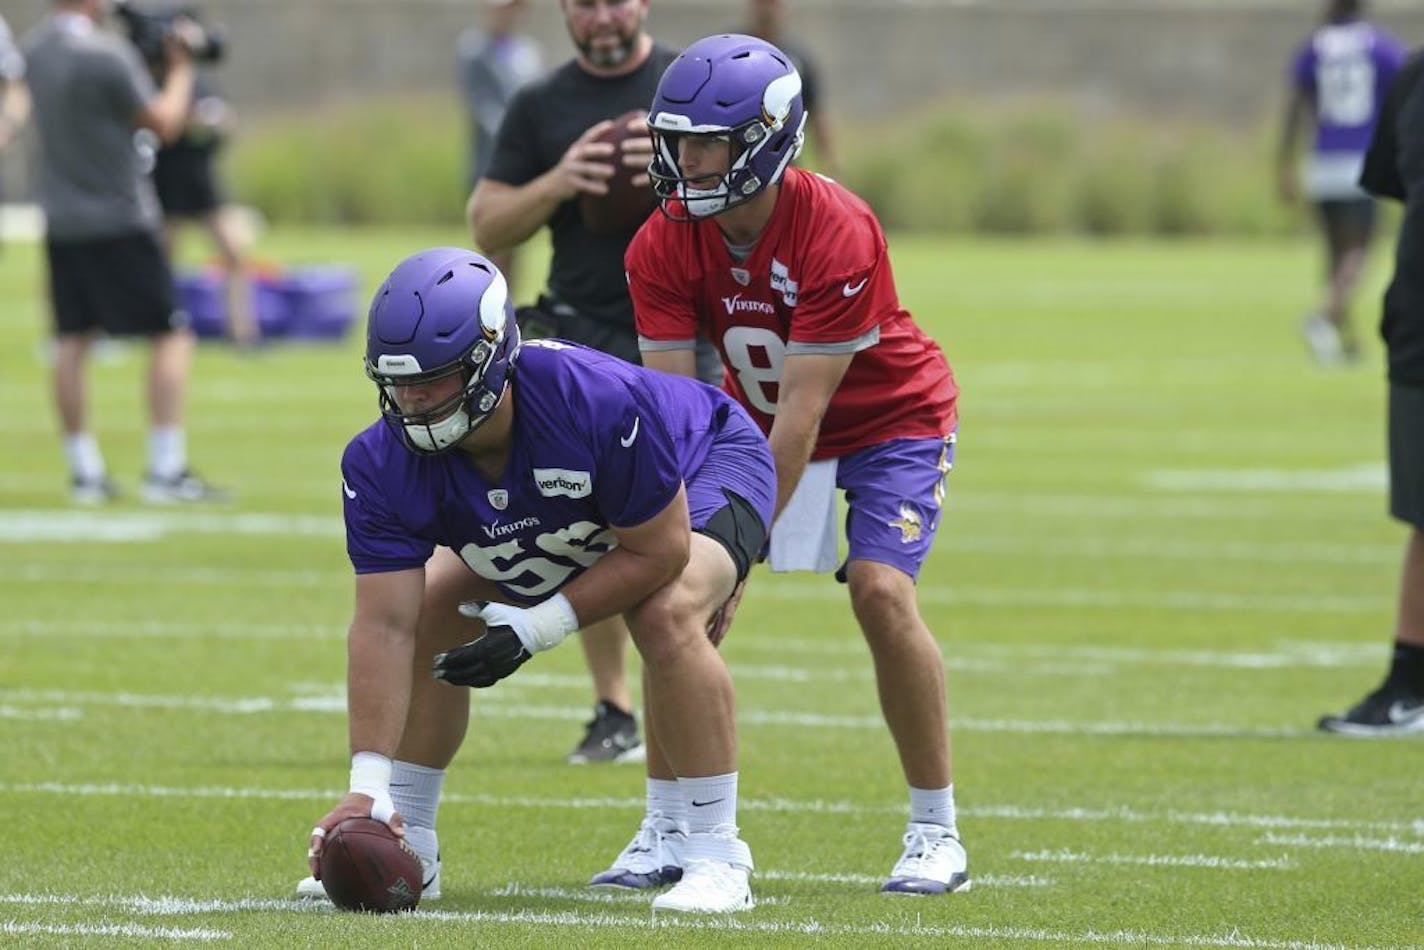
{"type": "Point", "coordinates": [107, 269]}
{"type": "Point", "coordinates": [185, 173]}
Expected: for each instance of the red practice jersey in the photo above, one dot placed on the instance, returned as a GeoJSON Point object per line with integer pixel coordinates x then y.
{"type": "Point", "coordinates": [817, 281]}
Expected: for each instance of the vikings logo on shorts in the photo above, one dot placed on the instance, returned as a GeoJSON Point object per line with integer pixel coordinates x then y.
{"type": "Point", "coordinates": [910, 524]}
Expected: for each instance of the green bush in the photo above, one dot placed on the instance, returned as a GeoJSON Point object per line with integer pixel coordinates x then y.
{"type": "Point", "coordinates": [1042, 168]}
{"type": "Point", "coordinates": [393, 161]}
{"type": "Point", "coordinates": [1019, 168]}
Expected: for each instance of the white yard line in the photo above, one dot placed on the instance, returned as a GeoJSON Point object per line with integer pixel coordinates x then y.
{"type": "Point", "coordinates": [747, 924]}
{"type": "Point", "coordinates": [1369, 477]}
{"type": "Point", "coordinates": [500, 708]}
{"type": "Point", "coordinates": [90, 527]}
{"type": "Point", "coordinates": [1038, 659]}
{"type": "Point", "coordinates": [1081, 598]}
{"type": "Point", "coordinates": [1215, 861]}
{"type": "Point", "coordinates": [54, 713]}
{"type": "Point", "coordinates": [1121, 814]}
{"type": "Point", "coordinates": [22, 928]}
{"type": "Point", "coordinates": [1350, 843]}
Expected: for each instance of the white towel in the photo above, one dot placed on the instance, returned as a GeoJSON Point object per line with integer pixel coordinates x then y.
{"type": "Point", "coordinates": [804, 537]}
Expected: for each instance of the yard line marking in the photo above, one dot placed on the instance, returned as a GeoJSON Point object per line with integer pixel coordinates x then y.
{"type": "Point", "coordinates": [153, 629]}
{"type": "Point", "coordinates": [24, 526]}
{"type": "Point", "coordinates": [1355, 842]}
{"type": "Point", "coordinates": [987, 657]}
{"type": "Point", "coordinates": [17, 927]}
{"type": "Point", "coordinates": [1067, 856]}
{"type": "Point", "coordinates": [60, 713]}
{"type": "Point", "coordinates": [64, 525]}
{"type": "Point", "coordinates": [772, 805]}
{"type": "Point", "coordinates": [1172, 549]}
{"type": "Point", "coordinates": [496, 707]}
{"type": "Point", "coordinates": [1371, 477]}
{"type": "Point", "coordinates": [1286, 654]}
{"type": "Point", "coordinates": [586, 895]}
{"type": "Point", "coordinates": [728, 924]}
{"type": "Point", "coordinates": [1017, 598]}
{"type": "Point", "coordinates": [980, 880]}
{"type": "Point", "coordinates": [160, 906]}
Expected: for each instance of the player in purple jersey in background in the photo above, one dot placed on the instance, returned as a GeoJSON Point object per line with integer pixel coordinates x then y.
{"type": "Point", "coordinates": [510, 494]}
{"type": "Point", "coordinates": [1338, 78]}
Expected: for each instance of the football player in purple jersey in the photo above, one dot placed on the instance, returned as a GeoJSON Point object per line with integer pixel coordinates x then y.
{"type": "Point", "coordinates": [1338, 78]}
{"type": "Point", "coordinates": [510, 494]}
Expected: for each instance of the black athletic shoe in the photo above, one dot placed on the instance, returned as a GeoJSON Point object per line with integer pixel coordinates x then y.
{"type": "Point", "coordinates": [612, 736]}
{"type": "Point", "coordinates": [1389, 711]}
{"type": "Point", "coordinates": [182, 488]}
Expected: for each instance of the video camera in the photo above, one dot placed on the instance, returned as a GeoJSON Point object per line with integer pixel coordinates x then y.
{"type": "Point", "coordinates": [148, 30]}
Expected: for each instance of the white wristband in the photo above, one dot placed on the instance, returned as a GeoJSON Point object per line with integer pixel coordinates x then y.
{"type": "Point", "coordinates": [550, 621]}
{"type": "Point", "coordinates": [371, 775]}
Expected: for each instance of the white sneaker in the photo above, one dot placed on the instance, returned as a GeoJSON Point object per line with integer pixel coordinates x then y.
{"type": "Point", "coordinates": [934, 862]}
{"type": "Point", "coordinates": [716, 875]}
{"type": "Point", "coordinates": [309, 888]}
{"type": "Point", "coordinates": [709, 887]}
{"type": "Point", "coordinates": [653, 858]}
{"type": "Point", "coordinates": [1323, 338]}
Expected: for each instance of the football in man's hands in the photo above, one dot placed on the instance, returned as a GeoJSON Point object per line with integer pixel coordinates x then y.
{"type": "Point", "coordinates": [364, 866]}
{"type": "Point", "coordinates": [626, 206]}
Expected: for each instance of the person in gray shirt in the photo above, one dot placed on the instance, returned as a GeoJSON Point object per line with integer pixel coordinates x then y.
{"type": "Point", "coordinates": [14, 93]}
{"type": "Point", "coordinates": [107, 270]}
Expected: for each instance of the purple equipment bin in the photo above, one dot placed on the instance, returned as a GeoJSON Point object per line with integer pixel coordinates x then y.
{"type": "Point", "coordinates": [300, 303]}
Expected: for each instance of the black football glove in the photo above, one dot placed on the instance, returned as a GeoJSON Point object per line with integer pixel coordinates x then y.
{"type": "Point", "coordinates": [483, 662]}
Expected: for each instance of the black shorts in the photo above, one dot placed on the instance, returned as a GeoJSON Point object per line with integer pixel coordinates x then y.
{"type": "Point", "coordinates": [548, 318]}
{"type": "Point", "coordinates": [1347, 215]}
{"type": "Point", "coordinates": [121, 285]}
{"type": "Point", "coordinates": [1406, 454]}
{"type": "Point", "coordinates": [185, 184]}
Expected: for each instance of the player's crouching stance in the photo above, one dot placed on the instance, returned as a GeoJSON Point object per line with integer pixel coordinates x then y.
{"type": "Point", "coordinates": [575, 486]}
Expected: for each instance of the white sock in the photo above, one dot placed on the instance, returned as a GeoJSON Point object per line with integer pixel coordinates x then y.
{"type": "Point", "coordinates": [415, 791]}
{"type": "Point", "coordinates": [167, 451]}
{"type": "Point", "coordinates": [664, 796]}
{"type": "Point", "coordinates": [86, 462]}
{"type": "Point", "coordinates": [711, 800]}
{"type": "Point", "coordinates": [933, 806]}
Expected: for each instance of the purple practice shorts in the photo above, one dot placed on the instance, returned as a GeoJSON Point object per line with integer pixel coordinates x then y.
{"type": "Point", "coordinates": [895, 493]}
{"type": "Point", "coordinates": [731, 496]}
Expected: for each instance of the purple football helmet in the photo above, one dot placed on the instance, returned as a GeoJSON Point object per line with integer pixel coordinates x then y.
{"type": "Point", "coordinates": [735, 86]}
{"type": "Point", "coordinates": [442, 311]}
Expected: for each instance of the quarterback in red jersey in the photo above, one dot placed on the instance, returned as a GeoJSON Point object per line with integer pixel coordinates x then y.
{"type": "Point", "coordinates": [816, 280]}
{"type": "Point", "coordinates": [787, 273]}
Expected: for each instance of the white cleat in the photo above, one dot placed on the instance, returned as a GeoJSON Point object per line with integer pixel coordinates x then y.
{"type": "Point", "coordinates": [708, 887]}
{"type": "Point", "coordinates": [716, 875]}
{"type": "Point", "coordinates": [934, 862]}
{"type": "Point", "coordinates": [652, 859]}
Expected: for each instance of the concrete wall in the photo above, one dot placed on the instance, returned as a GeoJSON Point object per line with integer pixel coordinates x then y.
{"type": "Point", "coordinates": [1215, 58]}
{"type": "Point", "coordinates": [1218, 59]}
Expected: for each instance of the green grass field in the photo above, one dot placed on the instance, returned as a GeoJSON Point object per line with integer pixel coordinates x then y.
{"type": "Point", "coordinates": [1165, 555]}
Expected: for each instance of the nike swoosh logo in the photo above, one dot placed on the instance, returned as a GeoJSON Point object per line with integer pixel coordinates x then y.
{"type": "Point", "coordinates": [632, 435]}
{"type": "Point", "coordinates": [851, 291]}
{"type": "Point", "coordinates": [697, 804]}
{"type": "Point", "coordinates": [1401, 712]}
{"type": "Point", "coordinates": [346, 488]}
